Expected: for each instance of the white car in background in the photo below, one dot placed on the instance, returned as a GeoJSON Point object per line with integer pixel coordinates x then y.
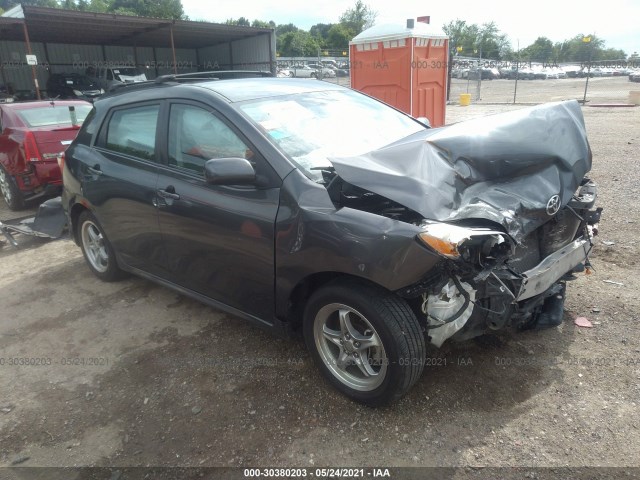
{"type": "Point", "coordinates": [304, 71]}
{"type": "Point", "coordinates": [326, 70]}
{"type": "Point", "coordinates": [284, 72]}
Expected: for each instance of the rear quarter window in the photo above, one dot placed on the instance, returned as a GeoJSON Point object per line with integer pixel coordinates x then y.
{"type": "Point", "coordinates": [89, 128]}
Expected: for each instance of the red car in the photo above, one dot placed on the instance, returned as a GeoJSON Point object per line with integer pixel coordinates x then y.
{"type": "Point", "coordinates": [32, 136]}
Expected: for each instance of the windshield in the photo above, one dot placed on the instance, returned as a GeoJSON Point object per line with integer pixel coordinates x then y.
{"type": "Point", "coordinates": [79, 81]}
{"type": "Point", "coordinates": [313, 127]}
{"type": "Point", "coordinates": [56, 115]}
{"type": "Point", "coordinates": [125, 74]}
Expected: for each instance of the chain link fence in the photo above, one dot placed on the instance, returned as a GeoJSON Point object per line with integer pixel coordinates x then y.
{"type": "Point", "coordinates": [526, 82]}
{"type": "Point", "coordinates": [489, 81]}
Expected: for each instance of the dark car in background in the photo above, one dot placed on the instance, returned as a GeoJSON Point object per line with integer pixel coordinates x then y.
{"type": "Point", "coordinates": [32, 136]}
{"type": "Point", "coordinates": [72, 85]}
{"type": "Point", "coordinates": [307, 207]}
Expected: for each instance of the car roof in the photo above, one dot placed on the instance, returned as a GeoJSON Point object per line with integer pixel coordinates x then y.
{"type": "Point", "coordinates": [229, 90]}
{"type": "Point", "coordinates": [239, 90]}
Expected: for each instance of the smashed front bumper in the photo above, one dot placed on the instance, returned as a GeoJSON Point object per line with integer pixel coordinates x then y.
{"type": "Point", "coordinates": [468, 307]}
{"type": "Point", "coordinates": [540, 278]}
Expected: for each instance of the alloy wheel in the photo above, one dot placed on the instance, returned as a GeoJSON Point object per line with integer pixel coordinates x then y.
{"type": "Point", "coordinates": [350, 347]}
{"type": "Point", "coordinates": [93, 242]}
{"type": "Point", "coordinates": [5, 187]}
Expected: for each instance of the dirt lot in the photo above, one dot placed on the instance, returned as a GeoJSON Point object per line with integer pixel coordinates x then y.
{"type": "Point", "coordinates": [132, 374]}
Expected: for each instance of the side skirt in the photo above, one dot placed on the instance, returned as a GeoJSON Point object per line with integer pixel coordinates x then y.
{"type": "Point", "coordinates": [275, 326]}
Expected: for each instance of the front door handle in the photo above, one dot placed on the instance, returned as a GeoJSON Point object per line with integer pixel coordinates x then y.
{"type": "Point", "coordinates": [169, 192]}
{"type": "Point", "coordinates": [95, 170]}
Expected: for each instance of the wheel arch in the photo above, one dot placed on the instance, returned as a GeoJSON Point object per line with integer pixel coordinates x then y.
{"type": "Point", "coordinates": [303, 290]}
{"type": "Point", "coordinates": [74, 214]}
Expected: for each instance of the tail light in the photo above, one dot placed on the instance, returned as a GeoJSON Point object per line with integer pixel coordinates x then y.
{"type": "Point", "coordinates": [31, 152]}
{"type": "Point", "coordinates": [61, 160]}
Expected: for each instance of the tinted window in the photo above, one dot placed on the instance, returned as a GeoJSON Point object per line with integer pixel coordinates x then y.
{"type": "Point", "coordinates": [76, 81]}
{"type": "Point", "coordinates": [196, 135]}
{"type": "Point", "coordinates": [127, 75]}
{"type": "Point", "coordinates": [133, 131]}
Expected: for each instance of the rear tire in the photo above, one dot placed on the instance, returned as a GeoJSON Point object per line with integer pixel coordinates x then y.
{"type": "Point", "coordinates": [365, 340]}
{"type": "Point", "coordinates": [97, 250]}
{"type": "Point", "coordinates": [10, 192]}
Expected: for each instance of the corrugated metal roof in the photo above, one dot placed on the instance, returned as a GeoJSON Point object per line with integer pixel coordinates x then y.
{"type": "Point", "coordinates": [54, 25]}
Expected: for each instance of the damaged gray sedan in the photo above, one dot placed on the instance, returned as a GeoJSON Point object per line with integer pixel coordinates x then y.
{"type": "Point", "coordinates": [311, 207]}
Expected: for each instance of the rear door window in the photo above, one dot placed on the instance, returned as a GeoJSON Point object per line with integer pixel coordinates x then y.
{"type": "Point", "coordinates": [132, 131]}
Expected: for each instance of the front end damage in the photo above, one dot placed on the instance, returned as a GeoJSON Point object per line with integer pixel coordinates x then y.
{"type": "Point", "coordinates": [503, 201]}
{"type": "Point", "coordinates": [486, 281]}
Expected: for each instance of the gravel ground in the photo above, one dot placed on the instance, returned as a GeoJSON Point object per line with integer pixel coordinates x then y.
{"type": "Point", "coordinates": [140, 375]}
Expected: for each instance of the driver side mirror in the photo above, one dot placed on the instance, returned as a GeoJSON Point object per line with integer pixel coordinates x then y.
{"type": "Point", "coordinates": [229, 171]}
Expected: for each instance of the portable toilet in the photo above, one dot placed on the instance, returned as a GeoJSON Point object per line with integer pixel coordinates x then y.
{"type": "Point", "coordinates": [404, 66]}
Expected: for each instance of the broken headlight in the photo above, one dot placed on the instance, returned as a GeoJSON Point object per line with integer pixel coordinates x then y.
{"type": "Point", "coordinates": [468, 243]}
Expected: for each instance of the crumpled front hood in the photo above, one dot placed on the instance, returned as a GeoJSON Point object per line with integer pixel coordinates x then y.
{"type": "Point", "coordinates": [505, 168]}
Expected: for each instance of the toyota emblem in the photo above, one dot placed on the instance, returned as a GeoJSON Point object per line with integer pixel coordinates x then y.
{"type": "Point", "coordinates": [553, 205]}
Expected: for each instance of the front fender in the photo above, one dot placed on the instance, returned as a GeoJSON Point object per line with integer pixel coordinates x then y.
{"type": "Point", "coordinates": [312, 237]}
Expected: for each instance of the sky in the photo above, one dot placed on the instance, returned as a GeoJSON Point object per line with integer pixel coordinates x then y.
{"type": "Point", "coordinates": [615, 21]}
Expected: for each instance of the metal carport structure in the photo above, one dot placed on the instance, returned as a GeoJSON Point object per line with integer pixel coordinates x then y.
{"type": "Point", "coordinates": [71, 41]}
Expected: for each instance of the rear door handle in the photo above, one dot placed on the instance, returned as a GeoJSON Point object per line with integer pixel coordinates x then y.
{"type": "Point", "coordinates": [95, 170]}
{"type": "Point", "coordinates": [169, 193]}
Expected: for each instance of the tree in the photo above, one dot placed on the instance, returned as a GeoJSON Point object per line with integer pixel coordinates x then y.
{"type": "Point", "coordinates": [99, 6]}
{"type": "Point", "coordinates": [542, 50]}
{"type": "Point", "coordinates": [286, 28]}
{"type": "Point", "coordinates": [149, 8]}
{"type": "Point", "coordinates": [297, 44]}
{"type": "Point", "coordinates": [611, 54]}
{"type": "Point", "coordinates": [473, 39]}
{"type": "Point", "coordinates": [459, 36]}
{"type": "Point", "coordinates": [263, 24]}
{"type": "Point", "coordinates": [358, 18]}
{"type": "Point", "coordinates": [321, 30]}
{"type": "Point", "coordinates": [243, 22]}
{"type": "Point", "coordinates": [494, 45]}
{"type": "Point", "coordinates": [6, 5]}
{"type": "Point", "coordinates": [339, 36]}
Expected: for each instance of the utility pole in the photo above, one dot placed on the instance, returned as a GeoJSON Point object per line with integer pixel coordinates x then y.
{"type": "Point", "coordinates": [481, 41]}
{"type": "Point", "coordinates": [515, 88]}
{"type": "Point", "coordinates": [587, 39]}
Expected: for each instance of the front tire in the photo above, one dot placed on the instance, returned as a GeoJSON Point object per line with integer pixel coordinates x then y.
{"type": "Point", "coordinates": [96, 249]}
{"type": "Point", "coordinates": [365, 340]}
{"type": "Point", "coordinates": [10, 192]}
